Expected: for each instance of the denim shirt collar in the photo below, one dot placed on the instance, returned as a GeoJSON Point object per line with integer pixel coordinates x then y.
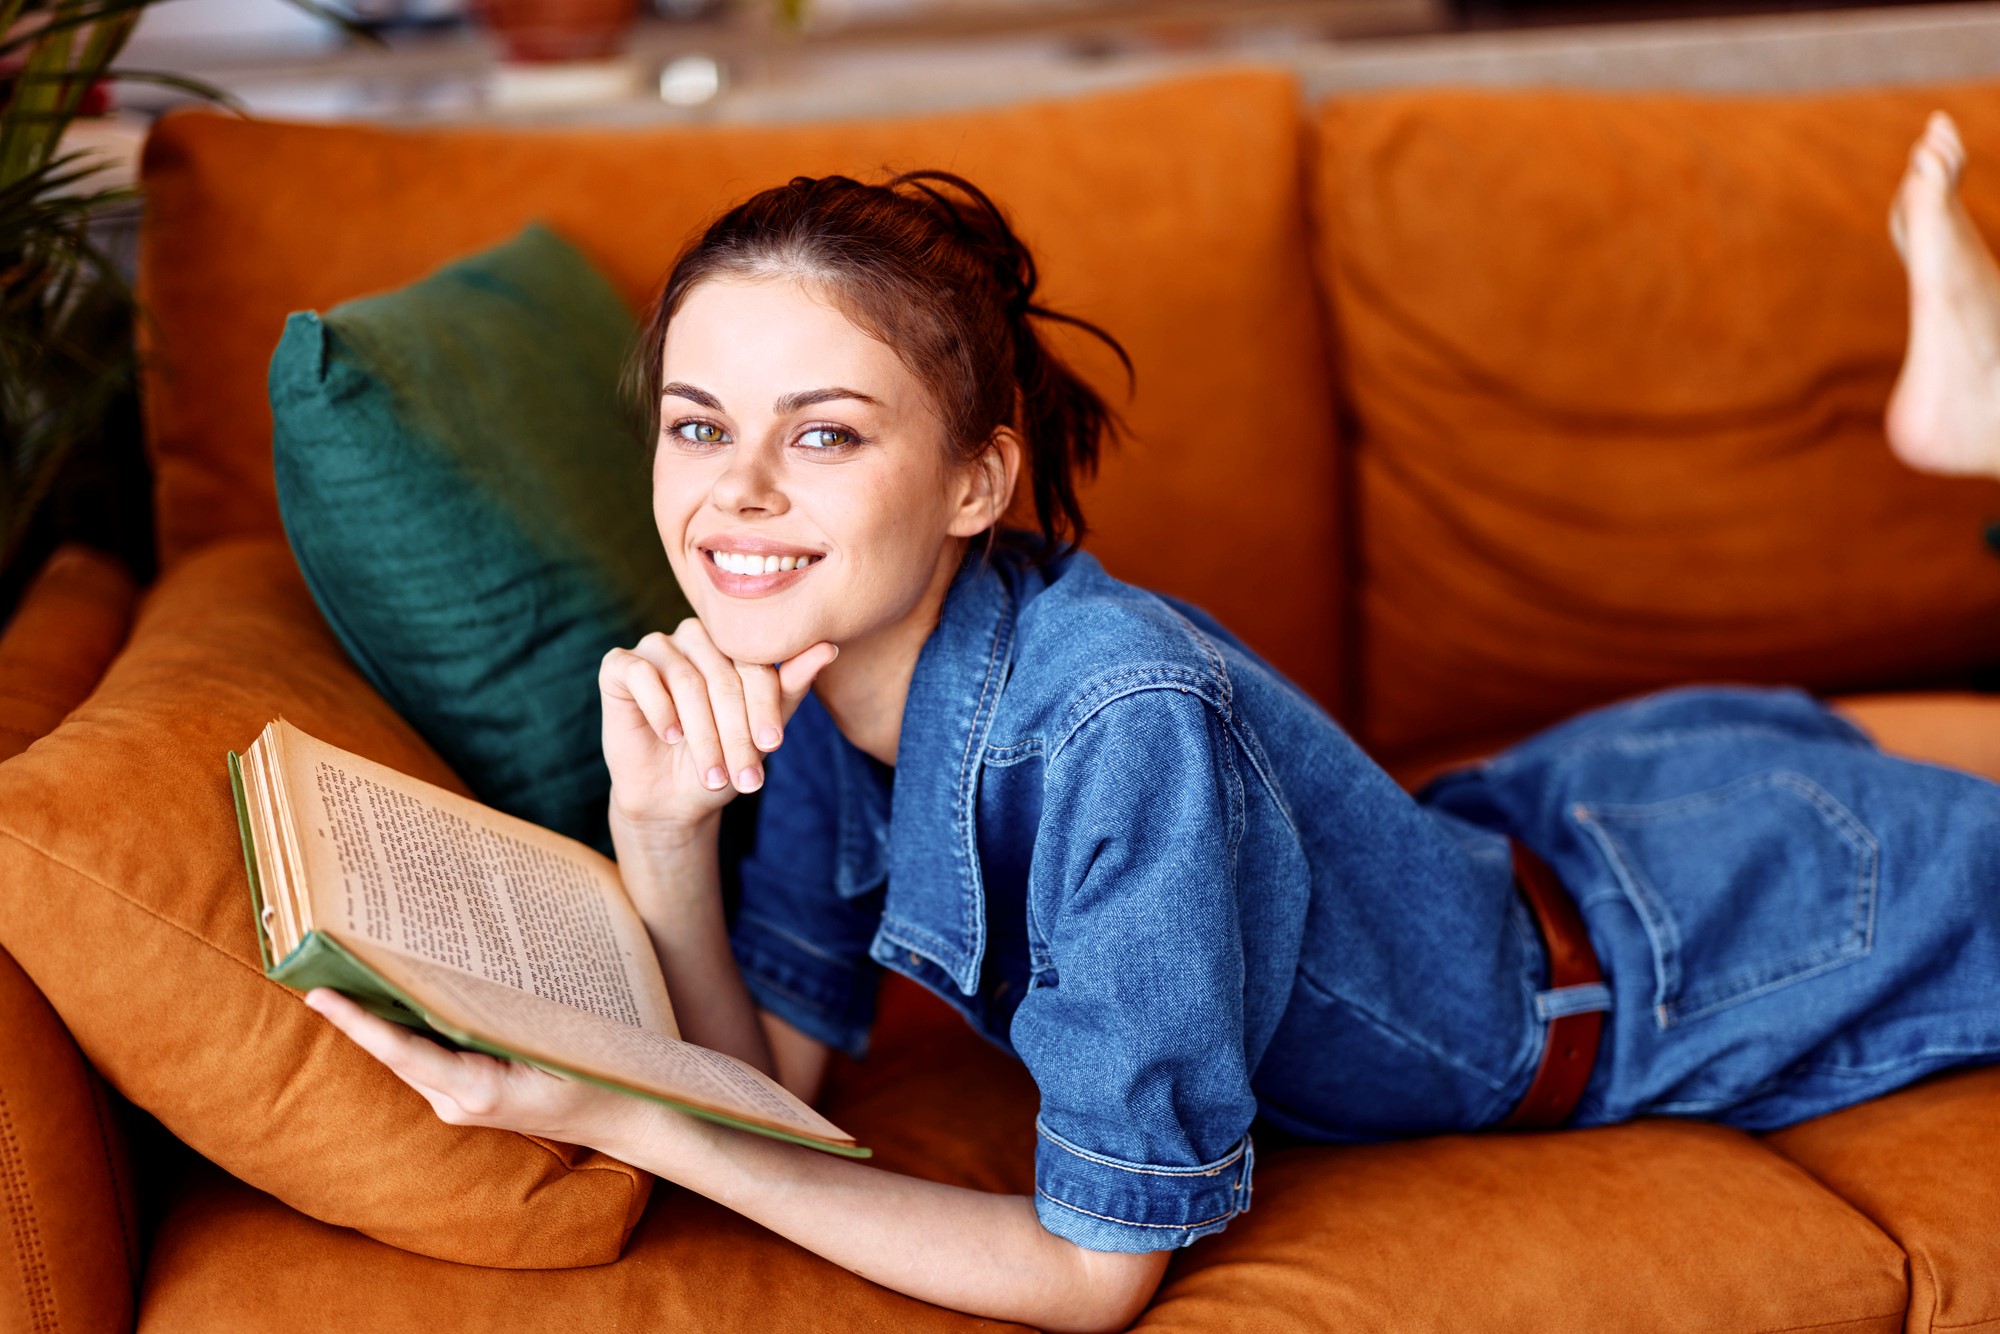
{"type": "Point", "coordinates": [936, 902]}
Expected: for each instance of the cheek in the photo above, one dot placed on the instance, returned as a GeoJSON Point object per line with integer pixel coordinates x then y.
{"type": "Point", "coordinates": [677, 494]}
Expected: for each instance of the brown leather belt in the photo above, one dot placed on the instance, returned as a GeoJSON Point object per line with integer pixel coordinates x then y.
{"type": "Point", "coordinates": [1570, 1049]}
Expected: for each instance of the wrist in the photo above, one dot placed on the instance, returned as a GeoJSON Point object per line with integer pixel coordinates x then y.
{"type": "Point", "coordinates": [662, 834]}
{"type": "Point", "coordinates": [656, 1138]}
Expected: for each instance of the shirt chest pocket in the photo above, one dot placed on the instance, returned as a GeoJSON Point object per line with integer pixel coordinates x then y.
{"type": "Point", "coordinates": [1742, 888]}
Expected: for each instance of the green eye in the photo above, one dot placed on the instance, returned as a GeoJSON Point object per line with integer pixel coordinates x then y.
{"type": "Point", "coordinates": [827, 437]}
{"type": "Point", "coordinates": [701, 433]}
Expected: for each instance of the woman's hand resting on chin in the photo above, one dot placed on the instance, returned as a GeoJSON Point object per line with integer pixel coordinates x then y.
{"type": "Point", "coordinates": [687, 728]}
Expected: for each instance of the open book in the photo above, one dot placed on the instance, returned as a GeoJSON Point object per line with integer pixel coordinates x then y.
{"type": "Point", "coordinates": [438, 912]}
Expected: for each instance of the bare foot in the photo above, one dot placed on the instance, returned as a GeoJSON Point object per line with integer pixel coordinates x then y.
{"type": "Point", "coordinates": [1944, 415]}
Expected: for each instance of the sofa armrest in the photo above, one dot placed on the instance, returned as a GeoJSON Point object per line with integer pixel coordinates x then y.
{"type": "Point", "coordinates": [71, 622]}
{"type": "Point", "coordinates": [71, 1260]}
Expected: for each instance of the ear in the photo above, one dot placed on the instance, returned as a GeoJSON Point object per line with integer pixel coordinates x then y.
{"type": "Point", "coordinates": [989, 484]}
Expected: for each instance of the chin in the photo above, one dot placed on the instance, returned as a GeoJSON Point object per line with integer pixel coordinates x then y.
{"type": "Point", "coordinates": [757, 639]}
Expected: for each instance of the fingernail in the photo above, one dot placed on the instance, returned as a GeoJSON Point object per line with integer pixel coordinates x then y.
{"type": "Point", "coordinates": [750, 779]}
{"type": "Point", "coordinates": [672, 736]}
{"type": "Point", "coordinates": [768, 738]}
{"type": "Point", "coordinates": [717, 779]}
{"type": "Point", "coordinates": [312, 1000]}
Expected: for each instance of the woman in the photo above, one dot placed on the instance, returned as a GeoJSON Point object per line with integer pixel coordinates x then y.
{"type": "Point", "coordinates": [1128, 851]}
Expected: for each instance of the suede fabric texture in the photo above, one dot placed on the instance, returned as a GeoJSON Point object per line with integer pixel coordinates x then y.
{"type": "Point", "coordinates": [69, 624]}
{"type": "Point", "coordinates": [1651, 1226]}
{"type": "Point", "coordinates": [1923, 1165]}
{"type": "Point", "coordinates": [65, 1172]}
{"type": "Point", "coordinates": [1958, 729]}
{"type": "Point", "coordinates": [690, 1265]}
{"type": "Point", "coordinates": [65, 1179]}
{"type": "Point", "coordinates": [470, 504]}
{"type": "Point", "coordinates": [128, 905]}
{"type": "Point", "coordinates": [1167, 213]}
{"type": "Point", "coordinates": [1617, 366]}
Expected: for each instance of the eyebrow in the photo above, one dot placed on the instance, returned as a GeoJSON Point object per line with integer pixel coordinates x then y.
{"type": "Point", "coordinates": [787, 403]}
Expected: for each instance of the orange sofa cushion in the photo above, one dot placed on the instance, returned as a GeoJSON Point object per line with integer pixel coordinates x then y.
{"type": "Point", "coordinates": [1651, 1226]}
{"type": "Point", "coordinates": [127, 904]}
{"type": "Point", "coordinates": [1617, 366]}
{"type": "Point", "coordinates": [1924, 1164]}
{"type": "Point", "coordinates": [1956, 728]}
{"type": "Point", "coordinates": [69, 624]}
{"type": "Point", "coordinates": [1170, 214]}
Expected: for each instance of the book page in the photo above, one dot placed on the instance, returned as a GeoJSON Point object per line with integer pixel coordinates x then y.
{"type": "Point", "coordinates": [561, 1035]}
{"type": "Point", "coordinates": [276, 913]}
{"type": "Point", "coordinates": [426, 872]}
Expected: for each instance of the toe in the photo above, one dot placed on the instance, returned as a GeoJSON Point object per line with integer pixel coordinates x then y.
{"type": "Point", "coordinates": [1941, 134]}
{"type": "Point", "coordinates": [1930, 165]}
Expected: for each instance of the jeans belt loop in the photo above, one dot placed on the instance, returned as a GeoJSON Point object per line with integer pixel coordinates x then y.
{"type": "Point", "coordinates": [1570, 1048]}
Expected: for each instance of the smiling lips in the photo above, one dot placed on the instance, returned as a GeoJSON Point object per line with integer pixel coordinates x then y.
{"type": "Point", "coordinates": [749, 574]}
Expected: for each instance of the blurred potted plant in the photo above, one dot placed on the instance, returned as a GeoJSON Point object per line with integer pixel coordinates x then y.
{"type": "Point", "coordinates": [66, 311]}
{"type": "Point", "coordinates": [552, 31]}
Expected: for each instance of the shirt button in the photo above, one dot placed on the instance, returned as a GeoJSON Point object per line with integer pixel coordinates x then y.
{"type": "Point", "coordinates": [916, 959]}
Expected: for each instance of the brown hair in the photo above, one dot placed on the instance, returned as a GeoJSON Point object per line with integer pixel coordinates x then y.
{"type": "Point", "coordinates": [926, 263]}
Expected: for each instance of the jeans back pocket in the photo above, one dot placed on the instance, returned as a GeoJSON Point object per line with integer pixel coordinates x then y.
{"type": "Point", "coordinates": [1742, 888]}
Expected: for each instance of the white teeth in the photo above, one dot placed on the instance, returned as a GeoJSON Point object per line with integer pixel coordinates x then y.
{"type": "Point", "coordinates": [736, 562]}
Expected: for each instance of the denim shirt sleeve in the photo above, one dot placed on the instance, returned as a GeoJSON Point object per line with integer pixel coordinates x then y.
{"type": "Point", "coordinates": [1133, 1023]}
{"type": "Point", "coordinates": [801, 945]}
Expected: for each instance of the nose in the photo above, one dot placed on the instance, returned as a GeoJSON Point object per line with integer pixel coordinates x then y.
{"type": "Point", "coordinates": [750, 484]}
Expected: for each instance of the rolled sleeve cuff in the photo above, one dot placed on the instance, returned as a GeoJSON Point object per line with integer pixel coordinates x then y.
{"type": "Point", "coordinates": [820, 996]}
{"type": "Point", "coordinates": [1108, 1204]}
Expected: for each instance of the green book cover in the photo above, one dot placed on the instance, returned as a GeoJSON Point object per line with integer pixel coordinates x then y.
{"type": "Point", "coordinates": [320, 961]}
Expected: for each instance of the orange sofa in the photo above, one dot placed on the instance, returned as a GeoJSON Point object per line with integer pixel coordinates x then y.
{"type": "Point", "coordinates": [1514, 403]}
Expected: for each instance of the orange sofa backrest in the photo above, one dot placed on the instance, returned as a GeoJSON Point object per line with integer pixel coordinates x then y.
{"type": "Point", "coordinates": [1170, 214]}
{"type": "Point", "coordinates": [1616, 366]}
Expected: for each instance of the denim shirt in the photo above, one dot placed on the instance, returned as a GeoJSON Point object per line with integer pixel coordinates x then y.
{"type": "Point", "coordinates": [1132, 854]}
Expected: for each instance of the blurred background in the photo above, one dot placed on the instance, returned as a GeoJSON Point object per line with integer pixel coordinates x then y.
{"type": "Point", "coordinates": [746, 59]}
{"type": "Point", "coordinates": [82, 80]}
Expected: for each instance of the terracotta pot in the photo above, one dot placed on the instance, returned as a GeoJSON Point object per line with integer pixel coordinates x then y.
{"type": "Point", "coordinates": [550, 30]}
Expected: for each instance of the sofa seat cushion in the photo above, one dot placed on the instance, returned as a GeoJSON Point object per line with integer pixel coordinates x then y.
{"type": "Point", "coordinates": [1617, 366]}
{"type": "Point", "coordinates": [126, 902]}
{"type": "Point", "coordinates": [1169, 213]}
{"type": "Point", "coordinates": [1654, 1225]}
{"type": "Point", "coordinates": [1924, 1164]}
{"type": "Point", "coordinates": [1955, 728]}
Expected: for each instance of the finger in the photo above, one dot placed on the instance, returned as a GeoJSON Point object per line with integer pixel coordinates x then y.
{"type": "Point", "coordinates": [689, 688]}
{"type": "Point", "coordinates": [797, 673]}
{"type": "Point", "coordinates": [762, 702]}
{"type": "Point", "coordinates": [417, 1061]}
{"type": "Point", "coordinates": [625, 675]}
{"type": "Point", "coordinates": [727, 705]}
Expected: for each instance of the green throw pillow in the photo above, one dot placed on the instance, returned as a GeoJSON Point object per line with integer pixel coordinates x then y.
{"type": "Point", "coordinates": [472, 511]}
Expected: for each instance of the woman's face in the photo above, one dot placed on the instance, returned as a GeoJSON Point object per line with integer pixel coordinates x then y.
{"type": "Point", "coordinates": [802, 483]}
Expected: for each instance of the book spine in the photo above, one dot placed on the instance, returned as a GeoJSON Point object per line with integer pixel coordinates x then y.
{"type": "Point", "coordinates": [250, 860]}
{"type": "Point", "coordinates": [319, 961]}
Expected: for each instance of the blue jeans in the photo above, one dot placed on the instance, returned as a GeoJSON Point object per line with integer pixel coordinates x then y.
{"type": "Point", "coordinates": [1789, 920]}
